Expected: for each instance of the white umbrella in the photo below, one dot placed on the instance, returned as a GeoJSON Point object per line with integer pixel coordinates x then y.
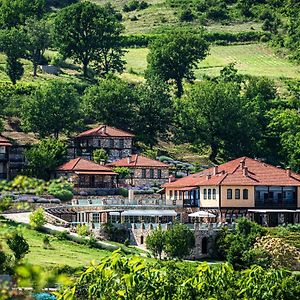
{"type": "Point", "coordinates": [201, 214]}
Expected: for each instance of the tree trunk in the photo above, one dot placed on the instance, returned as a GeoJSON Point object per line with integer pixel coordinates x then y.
{"type": "Point", "coordinates": [85, 68]}
{"type": "Point", "coordinates": [35, 69]}
{"type": "Point", "coordinates": [179, 91]}
{"type": "Point", "coordinates": [214, 152]}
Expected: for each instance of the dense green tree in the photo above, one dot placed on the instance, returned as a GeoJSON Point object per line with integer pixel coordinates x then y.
{"type": "Point", "coordinates": [89, 33]}
{"type": "Point", "coordinates": [53, 109]}
{"type": "Point", "coordinates": [212, 113]}
{"type": "Point", "coordinates": [16, 12]}
{"type": "Point", "coordinates": [156, 242]}
{"type": "Point", "coordinates": [13, 43]}
{"type": "Point", "coordinates": [112, 102]}
{"type": "Point", "coordinates": [38, 39]}
{"type": "Point", "coordinates": [37, 218]}
{"type": "Point", "coordinates": [100, 155]}
{"type": "Point", "coordinates": [175, 56]}
{"type": "Point", "coordinates": [179, 241]}
{"type": "Point", "coordinates": [18, 245]}
{"type": "Point", "coordinates": [154, 111]}
{"type": "Point", "coordinates": [44, 157]}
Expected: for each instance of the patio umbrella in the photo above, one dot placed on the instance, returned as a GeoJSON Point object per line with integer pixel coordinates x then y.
{"type": "Point", "coordinates": [201, 214]}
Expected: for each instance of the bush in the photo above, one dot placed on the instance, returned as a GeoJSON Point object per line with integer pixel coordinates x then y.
{"type": "Point", "coordinates": [127, 243]}
{"type": "Point", "coordinates": [63, 195]}
{"type": "Point", "coordinates": [82, 230]}
{"type": "Point", "coordinates": [5, 203]}
{"type": "Point", "coordinates": [18, 245]}
{"type": "Point", "coordinates": [92, 242]}
{"type": "Point", "coordinates": [100, 155]}
{"type": "Point", "coordinates": [37, 218]}
{"type": "Point", "coordinates": [186, 16]}
{"type": "Point", "coordinates": [61, 235]}
{"type": "Point", "coordinates": [123, 192]}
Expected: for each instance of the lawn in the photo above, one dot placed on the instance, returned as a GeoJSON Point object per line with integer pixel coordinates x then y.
{"type": "Point", "coordinates": [251, 59]}
{"type": "Point", "coordinates": [62, 253]}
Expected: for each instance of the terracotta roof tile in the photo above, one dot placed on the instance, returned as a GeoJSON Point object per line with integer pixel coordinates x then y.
{"type": "Point", "coordinates": [81, 164]}
{"type": "Point", "coordinates": [105, 131]}
{"type": "Point", "coordinates": [4, 141]}
{"type": "Point", "coordinates": [241, 171]}
{"type": "Point", "coordinates": [137, 160]}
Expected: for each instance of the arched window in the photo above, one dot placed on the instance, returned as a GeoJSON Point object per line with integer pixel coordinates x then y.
{"type": "Point", "coordinates": [229, 193]}
{"type": "Point", "coordinates": [237, 193]}
{"type": "Point", "coordinates": [245, 194]}
{"type": "Point", "coordinates": [205, 194]}
{"type": "Point", "coordinates": [214, 193]}
{"type": "Point", "coordinates": [209, 193]}
{"type": "Point", "coordinates": [204, 245]}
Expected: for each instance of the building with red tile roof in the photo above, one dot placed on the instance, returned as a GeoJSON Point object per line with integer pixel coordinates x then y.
{"type": "Point", "coordinates": [4, 157]}
{"type": "Point", "coordinates": [87, 174]}
{"type": "Point", "coordinates": [116, 142]}
{"type": "Point", "coordinates": [144, 171]}
{"type": "Point", "coordinates": [238, 187]}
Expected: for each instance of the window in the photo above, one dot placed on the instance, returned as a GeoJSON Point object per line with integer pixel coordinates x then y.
{"type": "Point", "coordinates": [111, 143]}
{"type": "Point", "coordinates": [205, 194]}
{"type": "Point", "coordinates": [99, 143]}
{"type": "Point", "coordinates": [245, 194]}
{"type": "Point", "coordinates": [143, 173]}
{"type": "Point", "coordinates": [151, 173]}
{"type": "Point", "coordinates": [171, 194]}
{"type": "Point", "coordinates": [214, 193]}
{"type": "Point", "coordinates": [121, 143]}
{"type": "Point", "coordinates": [209, 193]}
{"type": "Point", "coordinates": [175, 195]}
{"type": "Point", "coordinates": [237, 194]}
{"type": "Point", "coordinates": [229, 193]}
{"type": "Point", "coordinates": [159, 173]}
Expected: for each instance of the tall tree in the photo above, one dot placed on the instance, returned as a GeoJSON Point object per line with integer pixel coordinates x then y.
{"type": "Point", "coordinates": [212, 113]}
{"type": "Point", "coordinates": [155, 111]}
{"type": "Point", "coordinates": [53, 109]}
{"type": "Point", "coordinates": [89, 33]}
{"type": "Point", "coordinates": [175, 56]}
{"type": "Point", "coordinates": [38, 39]}
{"type": "Point", "coordinates": [15, 12]}
{"type": "Point", "coordinates": [112, 102]}
{"type": "Point", "coordinates": [44, 157]}
{"type": "Point", "coordinates": [13, 43]}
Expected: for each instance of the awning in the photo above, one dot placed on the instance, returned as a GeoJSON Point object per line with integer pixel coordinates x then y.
{"type": "Point", "coordinates": [188, 188]}
{"type": "Point", "coordinates": [95, 173]}
{"type": "Point", "coordinates": [202, 214]}
{"type": "Point", "coordinates": [114, 213]}
{"type": "Point", "coordinates": [149, 213]}
{"type": "Point", "coordinates": [270, 210]}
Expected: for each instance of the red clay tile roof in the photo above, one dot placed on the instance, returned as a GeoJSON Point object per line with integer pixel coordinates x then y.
{"type": "Point", "coordinates": [4, 141]}
{"type": "Point", "coordinates": [81, 164]}
{"type": "Point", "coordinates": [241, 171]}
{"type": "Point", "coordinates": [137, 160]}
{"type": "Point", "coordinates": [105, 131]}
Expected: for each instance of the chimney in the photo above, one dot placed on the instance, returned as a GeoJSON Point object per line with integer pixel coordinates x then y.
{"type": "Point", "coordinates": [208, 176]}
{"type": "Point", "coordinates": [215, 170]}
{"type": "Point", "coordinates": [171, 178]}
{"type": "Point", "coordinates": [242, 164]}
{"type": "Point", "coordinates": [103, 129]}
{"type": "Point", "coordinates": [288, 172]}
{"type": "Point", "coordinates": [245, 171]}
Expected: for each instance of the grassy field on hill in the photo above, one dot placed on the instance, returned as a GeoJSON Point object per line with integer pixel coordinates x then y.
{"type": "Point", "coordinates": [62, 253]}
{"type": "Point", "coordinates": [251, 59]}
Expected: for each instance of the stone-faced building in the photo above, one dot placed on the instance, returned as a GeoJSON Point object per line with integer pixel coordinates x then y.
{"type": "Point", "coordinates": [116, 142]}
{"type": "Point", "coordinates": [85, 174]}
{"type": "Point", "coordinates": [144, 171]}
{"type": "Point", "coordinates": [241, 187]}
{"type": "Point", "coordinates": [5, 146]}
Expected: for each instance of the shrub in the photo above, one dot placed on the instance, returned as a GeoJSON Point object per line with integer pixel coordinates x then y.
{"type": "Point", "coordinates": [92, 242]}
{"type": "Point", "coordinates": [62, 194]}
{"type": "Point", "coordinates": [82, 230]}
{"type": "Point", "coordinates": [37, 218]}
{"type": "Point", "coordinates": [127, 243]}
{"type": "Point", "coordinates": [5, 203]}
{"type": "Point", "coordinates": [123, 192]}
{"type": "Point", "coordinates": [61, 235]}
{"type": "Point", "coordinates": [18, 245]}
{"type": "Point", "coordinates": [100, 155]}
{"type": "Point", "coordinates": [186, 16]}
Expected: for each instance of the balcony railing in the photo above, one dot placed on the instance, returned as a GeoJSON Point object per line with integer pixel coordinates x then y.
{"type": "Point", "coordinates": [283, 204]}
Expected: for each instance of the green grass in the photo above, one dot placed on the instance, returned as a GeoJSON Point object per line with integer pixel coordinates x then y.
{"type": "Point", "coordinates": [62, 253]}
{"type": "Point", "coordinates": [250, 59]}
